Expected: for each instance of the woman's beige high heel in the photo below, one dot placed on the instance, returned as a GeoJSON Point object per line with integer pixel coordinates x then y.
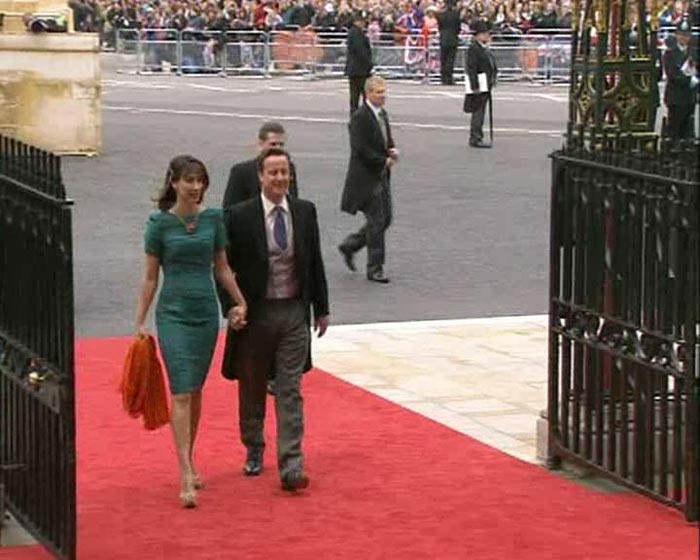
{"type": "Point", "coordinates": [188, 495]}
{"type": "Point", "coordinates": [197, 481]}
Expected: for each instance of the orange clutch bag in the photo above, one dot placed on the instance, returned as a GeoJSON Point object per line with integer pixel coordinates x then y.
{"type": "Point", "coordinates": [142, 385]}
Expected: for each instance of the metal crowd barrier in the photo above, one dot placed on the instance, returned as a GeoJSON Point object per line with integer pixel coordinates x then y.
{"type": "Point", "coordinates": [543, 56]}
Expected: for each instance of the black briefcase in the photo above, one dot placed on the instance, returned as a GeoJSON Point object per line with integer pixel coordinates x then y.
{"type": "Point", "coordinates": [474, 102]}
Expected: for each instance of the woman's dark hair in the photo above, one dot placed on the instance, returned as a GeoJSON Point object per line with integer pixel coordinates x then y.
{"type": "Point", "coordinates": [180, 166]}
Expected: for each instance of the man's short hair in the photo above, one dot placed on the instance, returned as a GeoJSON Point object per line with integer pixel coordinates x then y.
{"type": "Point", "coordinates": [373, 82]}
{"type": "Point", "coordinates": [270, 152]}
{"type": "Point", "coordinates": [268, 128]}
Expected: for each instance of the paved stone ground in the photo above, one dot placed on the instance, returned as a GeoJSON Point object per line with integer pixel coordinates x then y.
{"type": "Point", "coordinates": [486, 378]}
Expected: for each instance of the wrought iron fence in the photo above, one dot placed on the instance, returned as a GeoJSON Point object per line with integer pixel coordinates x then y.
{"type": "Point", "coordinates": [625, 315]}
{"type": "Point", "coordinates": [37, 422]}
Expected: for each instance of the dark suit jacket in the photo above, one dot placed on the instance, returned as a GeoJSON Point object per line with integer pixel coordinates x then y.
{"type": "Point", "coordinates": [244, 183]}
{"type": "Point", "coordinates": [449, 24]}
{"type": "Point", "coordinates": [359, 53]}
{"type": "Point", "coordinates": [368, 153]}
{"type": "Point", "coordinates": [478, 61]}
{"type": "Point", "coordinates": [678, 90]}
{"type": "Point", "coordinates": [248, 257]}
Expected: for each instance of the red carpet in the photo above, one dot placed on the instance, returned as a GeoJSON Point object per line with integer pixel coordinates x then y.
{"type": "Point", "coordinates": [385, 484]}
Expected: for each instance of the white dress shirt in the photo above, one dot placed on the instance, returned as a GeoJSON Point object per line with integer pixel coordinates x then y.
{"type": "Point", "coordinates": [269, 211]}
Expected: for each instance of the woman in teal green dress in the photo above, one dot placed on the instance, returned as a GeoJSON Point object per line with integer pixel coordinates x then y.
{"type": "Point", "coordinates": [188, 241]}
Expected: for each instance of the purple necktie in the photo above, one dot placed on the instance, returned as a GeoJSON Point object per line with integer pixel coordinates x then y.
{"type": "Point", "coordinates": [280, 228]}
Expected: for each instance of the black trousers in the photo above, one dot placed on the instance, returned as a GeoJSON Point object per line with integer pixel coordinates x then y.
{"type": "Point", "coordinates": [357, 88]}
{"type": "Point", "coordinates": [447, 64]}
{"type": "Point", "coordinates": [476, 130]}
{"type": "Point", "coordinates": [378, 214]}
{"type": "Point", "coordinates": [680, 121]}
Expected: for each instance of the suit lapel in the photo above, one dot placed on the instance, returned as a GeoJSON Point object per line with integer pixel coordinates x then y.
{"type": "Point", "coordinates": [296, 232]}
{"type": "Point", "coordinates": [261, 237]}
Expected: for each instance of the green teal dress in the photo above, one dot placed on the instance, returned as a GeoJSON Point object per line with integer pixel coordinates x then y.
{"type": "Point", "coordinates": [187, 313]}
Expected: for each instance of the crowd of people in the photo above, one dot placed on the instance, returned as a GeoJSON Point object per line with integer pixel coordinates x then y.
{"type": "Point", "coordinates": [383, 16]}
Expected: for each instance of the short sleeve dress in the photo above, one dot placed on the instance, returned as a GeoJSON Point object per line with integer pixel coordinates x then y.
{"type": "Point", "coordinates": [187, 312]}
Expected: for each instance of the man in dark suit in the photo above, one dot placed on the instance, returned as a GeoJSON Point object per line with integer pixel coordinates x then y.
{"type": "Point", "coordinates": [367, 183]}
{"type": "Point", "coordinates": [274, 248]}
{"type": "Point", "coordinates": [681, 84]}
{"type": "Point", "coordinates": [449, 25]}
{"type": "Point", "coordinates": [243, 182]}
{"type": "Point", "coordinates": [358, 65]}
{"type": "Point", "coordinates": [480, 60]}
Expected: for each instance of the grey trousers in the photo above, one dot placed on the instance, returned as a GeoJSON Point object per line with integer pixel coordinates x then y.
{"type": "Point", "coordinates": [378, 215]}
{"type": "Point", "coordinates": [276, 332]}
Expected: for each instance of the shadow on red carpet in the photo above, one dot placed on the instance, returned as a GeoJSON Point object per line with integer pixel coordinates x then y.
{"type": "Point", "coordinates": [386, 484]}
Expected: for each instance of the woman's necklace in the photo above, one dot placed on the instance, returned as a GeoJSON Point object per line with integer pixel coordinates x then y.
{"type": "Point", "coordinates": [191, 226]}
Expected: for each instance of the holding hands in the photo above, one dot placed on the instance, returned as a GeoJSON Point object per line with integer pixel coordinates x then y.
{"type": "Point", "coordinates": [237, 316]}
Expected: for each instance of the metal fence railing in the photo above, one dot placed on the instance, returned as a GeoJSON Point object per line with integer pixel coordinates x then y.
{"type": "Point", "coordinates": [543, 57]}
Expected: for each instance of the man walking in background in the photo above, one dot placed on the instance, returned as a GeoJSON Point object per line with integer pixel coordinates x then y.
{"type": "Point", "coordinates": [367, 184]}
{"type": "Point", "coordinates": [358, 66]}
{"type": "Point", "coordinates": [449, 24]}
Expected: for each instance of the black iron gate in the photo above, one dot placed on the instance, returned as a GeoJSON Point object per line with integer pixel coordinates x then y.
{"type": "Point", "coordinates": [37, 419]}
{"type": "Point", "coordinates": [625, 314]}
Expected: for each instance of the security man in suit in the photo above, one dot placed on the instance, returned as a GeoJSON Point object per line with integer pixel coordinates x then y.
{"type": "Point", "coordinates": [367, 183]}
{"type": "Point", "coordinates": [681, 84]}
{"type": "Point", "coordinates": [275, 249]}
{"type": "Point", "coordinates": [480, 60]}
{"type": "Point", "coordinates": [449, 25]}
{"type": "Point", "coordinates": [358, 65]}
{"type": "Point", "coordinates": [243, 182]}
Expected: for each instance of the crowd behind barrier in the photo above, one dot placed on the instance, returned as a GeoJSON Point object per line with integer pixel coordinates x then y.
{"type": "Point", "coordinates": [543, 57]}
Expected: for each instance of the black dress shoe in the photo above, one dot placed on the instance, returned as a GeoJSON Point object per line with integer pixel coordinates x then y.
{"type": "Point", "coordinates": [480, 144]}
{"type": "Point", "coordinates": [271, 387]}
{"type": "Point", "coordinates": [295, 480]}
{"type": "Point", "coordinates": [378, 276]}
{"type": "Point", "coordinates": [348, 257]}
{"type": "Point", "coordinates": [253, 464]}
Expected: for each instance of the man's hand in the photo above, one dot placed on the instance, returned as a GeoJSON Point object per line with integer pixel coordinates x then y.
{"type": "Point", "coordinates": [394, 154]}
{"type": "Point", "coordinates": [237, 317]}
{"type": "Point", "coordinates": [390, 162]}
{"type": "Point", "coordinates": [321, 325]}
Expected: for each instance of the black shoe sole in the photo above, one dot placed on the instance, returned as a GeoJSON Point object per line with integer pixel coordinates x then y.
{"type": "Point", "coordinates": [347, 257]}
{"type": "Point", "coordinates": [296, 483]}
{"type": "Point", "coordinates": [252, 472]}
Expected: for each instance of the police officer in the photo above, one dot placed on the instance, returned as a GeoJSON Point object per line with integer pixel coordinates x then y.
{"type": "Point", "coordinates": [681, 83]}
{"type": "Point", "coordinates": [449, 24]}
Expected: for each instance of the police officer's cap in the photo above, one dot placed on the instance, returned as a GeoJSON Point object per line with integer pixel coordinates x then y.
{"type": "Point", "coordinates": [359, 15]}
{"type": "Point", "coordinates": [683, 26]}
{"type": "Point", "coordinates": [481, 26]}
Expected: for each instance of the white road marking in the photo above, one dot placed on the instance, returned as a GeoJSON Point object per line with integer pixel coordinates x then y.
{"type": "Point", "coordinates": [541, 320]}
{"type": "Point", "coordinates": [293, 89]}
{"type": "Point", "coordinates": [321, 120]}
